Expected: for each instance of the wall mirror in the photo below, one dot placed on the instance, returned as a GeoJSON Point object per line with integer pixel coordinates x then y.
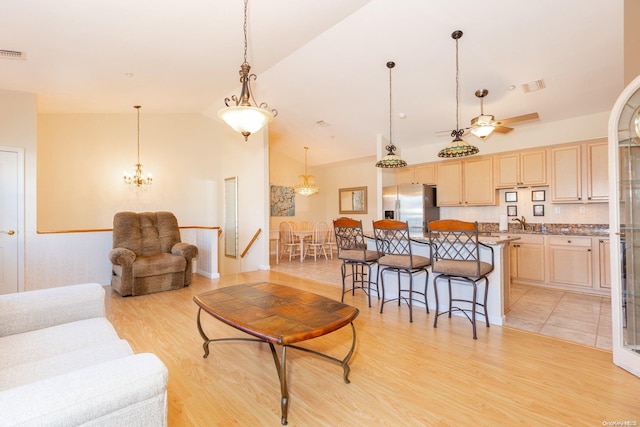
{"type": "Point", "coordinates": [353, 200]}
{"type": "Point", "coordinates": [231, 217]}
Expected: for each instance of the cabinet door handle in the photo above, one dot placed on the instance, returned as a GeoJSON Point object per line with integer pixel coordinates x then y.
{"type": "Point", "coordinates": [568, 241]}
{"type": "Point", "coordinates": [588, 250]}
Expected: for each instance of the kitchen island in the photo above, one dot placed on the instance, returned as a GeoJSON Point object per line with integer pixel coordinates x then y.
{"type": "Point", "coordinates": [499, 278]}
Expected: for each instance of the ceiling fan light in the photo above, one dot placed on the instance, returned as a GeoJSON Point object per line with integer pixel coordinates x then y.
{"type": "Point", "coordinates": [482, 131]}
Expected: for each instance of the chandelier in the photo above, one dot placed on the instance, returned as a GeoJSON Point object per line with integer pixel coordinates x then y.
{"type": "Point", "coordinates": [458, 147]}
{"type": "Point", "coordinates": [138, 180]}
{"type": "Point", "coordinates": [391, 159]}
{"type": "Point", "coordinates": [243, 117]}
{"type": "Point", "coordinates": [308, 186]}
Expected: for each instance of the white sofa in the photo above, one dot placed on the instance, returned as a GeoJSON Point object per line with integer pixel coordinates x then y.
{"type": "Point", "coordinates": [63, 364]}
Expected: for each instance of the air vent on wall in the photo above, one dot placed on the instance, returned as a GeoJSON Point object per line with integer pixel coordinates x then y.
{"type": "Point", "coordinates": [12, 54]}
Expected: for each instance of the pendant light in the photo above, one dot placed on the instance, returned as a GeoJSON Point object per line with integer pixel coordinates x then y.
{"type": "Point", "coordinates": [391, 160]}
{"type": "Point", "coordinates": [138, 180]}
{"type": "Point", "coordinates": [308, 186]}
{"type": "Point", "coordinates": [243, 117]}
{"type": "Point", "coordinates": [458, 147]}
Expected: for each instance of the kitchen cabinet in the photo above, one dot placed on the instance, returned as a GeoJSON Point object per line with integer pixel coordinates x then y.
{"type": "Point", "coordinates": [604, 264]}
{"type": "Point", "coordinates": [597, 171]}
{"type": "Point", "coordinates": [521, 169]}
{"type": "Point", "coordinates": [528, 258]}
{"type": "Point", "coordinates": [566, 174]}
{"type": "Point", "coordinates": [571, 261]}
{"type": "Point", "coordinates": [466, 182]}
{"type": "Point", "coordinates": [579, 173]}
{"type": "Point", "coordinates": [420, 174]}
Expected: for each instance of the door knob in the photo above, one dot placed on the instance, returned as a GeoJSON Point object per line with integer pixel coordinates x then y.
{"type": "Point", "coordinates": [10, 232]}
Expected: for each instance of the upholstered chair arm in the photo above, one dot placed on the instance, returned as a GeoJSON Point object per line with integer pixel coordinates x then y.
{"type": "Point", "coordinates": [122, 256]}
{"type": "Point", "coordinates": [185, 249]}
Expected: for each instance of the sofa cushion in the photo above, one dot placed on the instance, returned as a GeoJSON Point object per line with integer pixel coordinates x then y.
{"type": "Point", "coordinates": [59, 364]}
{"type": "Point", "coordinates": [44, 343]}
{"type": "Point", "coordinates": [27, 311]}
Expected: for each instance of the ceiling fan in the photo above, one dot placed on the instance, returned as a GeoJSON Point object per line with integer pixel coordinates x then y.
{"type": "Point", "coordinates": [485, 124]}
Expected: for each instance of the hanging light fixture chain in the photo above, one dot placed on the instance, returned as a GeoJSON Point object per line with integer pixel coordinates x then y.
{"type": "Point", "coordinates": [137, 107]}
{"type": "Point", "coordinates": [457, 87]}
{"type": "Point", "coordinates": [245, 31]}
{"type": "Point", "coordinates": [390, 104]}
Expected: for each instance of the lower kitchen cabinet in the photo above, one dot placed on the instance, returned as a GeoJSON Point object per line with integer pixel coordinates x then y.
{"type": "Point", "coordinates": [604, 262]}
{"type": "Point", "coordinates": [528, 258]}
{"type": "Point", "coordinates": [578, 263]}
{"type": "Point", "coordinates": [571, 261]}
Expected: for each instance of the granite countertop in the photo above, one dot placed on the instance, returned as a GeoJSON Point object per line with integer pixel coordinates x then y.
{"type": "Point", "coordinates": [482, 238]}
{"type": "Point", "coordinates": [588, 230]}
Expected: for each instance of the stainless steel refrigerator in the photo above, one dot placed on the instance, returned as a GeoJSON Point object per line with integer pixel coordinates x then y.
{"type": "Point", "coordinates": [412, 203]}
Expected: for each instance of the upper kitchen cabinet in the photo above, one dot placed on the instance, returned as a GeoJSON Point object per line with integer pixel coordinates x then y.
{"type": "Point", "coordinates": [421, 174]}
{"type": "Point", "coordinates": [579, 173]}
{"type": "Point", "coordinates": [597, 171]}
{"type": "Point", "coordinates": [466, 182]}
{"type": "Point", "coordinates": [521, 169]}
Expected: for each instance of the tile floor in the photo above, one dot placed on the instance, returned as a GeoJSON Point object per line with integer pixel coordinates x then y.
{"type": "Point", "coordinates": [571, 316]}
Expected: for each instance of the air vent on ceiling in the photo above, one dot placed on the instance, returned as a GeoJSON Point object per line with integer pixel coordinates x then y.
{"type": "Point", "coordinates": [533, 86]}
{"type": "Point", "coordinates": [12, 54]}
{"type": "Point", "coordinates": [322, 123]}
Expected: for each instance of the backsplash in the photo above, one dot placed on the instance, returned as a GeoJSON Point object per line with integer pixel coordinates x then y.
{"type": "Point", "coordinates": [552, 213]}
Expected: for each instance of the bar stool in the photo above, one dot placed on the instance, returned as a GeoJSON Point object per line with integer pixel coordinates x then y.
{"type": "Point", "coordinates": [455, 256]}
{"type": "Point", "coordinates": [394, 255]}
{"type": "Point", "coordinates": [352, 250]}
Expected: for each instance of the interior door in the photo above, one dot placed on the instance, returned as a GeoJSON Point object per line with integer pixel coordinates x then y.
{"type": "Point", "coordinates": [9, 208]}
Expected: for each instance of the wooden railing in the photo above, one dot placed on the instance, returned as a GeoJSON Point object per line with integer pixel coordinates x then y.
{"type": "Point", "coordinates": [255, 236]}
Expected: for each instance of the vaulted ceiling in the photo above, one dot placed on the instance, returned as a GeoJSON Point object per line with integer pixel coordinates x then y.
{"type": "Point", "coordinates": [320, 63]}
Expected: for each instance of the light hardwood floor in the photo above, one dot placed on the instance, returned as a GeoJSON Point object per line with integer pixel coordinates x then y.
{"type": "Point", "coordinates": [401, 373]}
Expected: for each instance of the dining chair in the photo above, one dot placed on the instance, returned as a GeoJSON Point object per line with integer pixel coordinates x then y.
{"type": "Point", "coordinates": [455, 256]}
{"type": "Point", "coordinates": [289, 245]}
{"type": "Point", "coordinates": [317, 242]}
{"type": "Point", "coordinates": [395, 255]}
{"type": "Point", "coordinates": [305, 226]}
{"type": "Point", "coordinates": [330, 243]}
{"type": "Point", "coordinates": [352, 250]}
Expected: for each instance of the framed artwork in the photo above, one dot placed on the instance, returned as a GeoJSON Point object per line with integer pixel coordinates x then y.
{"type": "Point", "coordinates": [512, 210]}
{"type": "Point", "coordinates": [283, 201]}
{"type": "Point", "coordinates": [511, 196]}
{"type": "Point", "coordinates": [538, 210]}
{"type": "Point", "coordinates": [537, 196]}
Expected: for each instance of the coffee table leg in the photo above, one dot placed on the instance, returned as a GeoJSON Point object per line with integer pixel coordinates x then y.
{"type": "Point", "coordinates": [281, 367]}
{"type": "Point", "coordinates": [204, 336]}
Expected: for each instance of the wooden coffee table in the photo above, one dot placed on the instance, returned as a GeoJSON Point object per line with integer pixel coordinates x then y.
{"type": "Point", "coordinates": [277, 314]}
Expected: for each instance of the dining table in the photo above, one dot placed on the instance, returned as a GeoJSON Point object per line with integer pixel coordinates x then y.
{"type": "Point", "coordinates": [300, 236]}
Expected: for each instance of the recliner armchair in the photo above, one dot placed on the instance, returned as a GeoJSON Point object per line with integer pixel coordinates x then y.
{"type": "Point", "coordinates": [147, 254]}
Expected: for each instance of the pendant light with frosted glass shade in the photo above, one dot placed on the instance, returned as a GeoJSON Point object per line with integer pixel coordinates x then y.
{"type": "Point", "coordinates": [244, 117]}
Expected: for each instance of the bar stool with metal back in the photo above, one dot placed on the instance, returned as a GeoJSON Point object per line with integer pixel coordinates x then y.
{"type": "Point", "coordinates": [352, 250]}
{"type": "Point", "coordinates": [394, 255]}
{"type": "Point", "coordinates": [455, 256]}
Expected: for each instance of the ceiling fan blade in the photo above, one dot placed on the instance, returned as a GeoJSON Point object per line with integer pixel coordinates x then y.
{"type": "Point", "coordinates": [517, 119]}
{"type": "Point", "coordinates": [502, 129]}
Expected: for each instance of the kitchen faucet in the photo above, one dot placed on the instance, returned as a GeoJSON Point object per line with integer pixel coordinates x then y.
{"type": "Point", "coordinates": [523, 222]}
